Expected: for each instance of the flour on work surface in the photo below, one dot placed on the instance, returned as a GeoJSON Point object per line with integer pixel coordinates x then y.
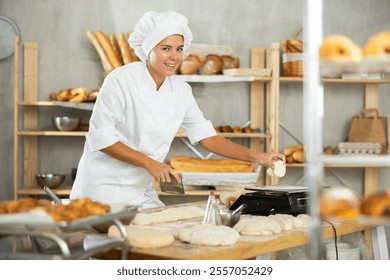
{"type": "Point", "coordinates": [144, 237]}
{"type": "Point", "coordinates": [208, 235]}
{"type": "Point", "coordinates": [169, 215]}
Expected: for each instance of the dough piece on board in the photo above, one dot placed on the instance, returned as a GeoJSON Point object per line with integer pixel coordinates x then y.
{"type": "Point", "coordinates": [144, 237]}
{"type": "Point", "coordinates": [168, 215]}
{"type": "Point", "coordinates": [208, 235]}
{"type": "Point", "coordinates": [304, 218]}
{"type": "Point", "coordinates": [288, 221]}
{"type": "Point", "coordinates": [258, 225]}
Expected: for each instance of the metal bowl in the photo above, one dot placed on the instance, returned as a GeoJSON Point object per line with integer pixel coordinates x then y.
{"type": "Point", "coordinates": [229, 218]}
{"type": "Point", "coordinates": [50, 180]}
{"type": "Point", "coordinates": [65, 123]}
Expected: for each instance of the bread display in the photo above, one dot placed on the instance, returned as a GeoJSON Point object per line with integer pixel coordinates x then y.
{"type": "Point", "coordinates": [377, 204]}
{"type": "Point", "coordinates": [378, 45]}
{"type": "Point", "coordinates": [339, 202]}
{"type": "Point", "coordinates": [294, 153]}
{"type": "Point", "coordinates": [75, 95]}
{"type": "Point", "coordinates": [76, 209]}
{"type": "Point", "coordinates": [210, 64]}
{"type": "Point", "coordinates": [340, 48]}
{"type": "Point", "coordinates": [112, 52]}
{"type": "Point", "coordinates": [189, 164]}
{"type": "Point", "coordinates": [234, 129]}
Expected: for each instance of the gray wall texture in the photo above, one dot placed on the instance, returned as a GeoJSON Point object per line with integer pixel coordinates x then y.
{"type": "Point", "coordinates": [67, 59]}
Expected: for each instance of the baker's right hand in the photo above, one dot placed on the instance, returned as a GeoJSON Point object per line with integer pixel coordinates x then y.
{"type": "Point", "coordinates": [162, 172]}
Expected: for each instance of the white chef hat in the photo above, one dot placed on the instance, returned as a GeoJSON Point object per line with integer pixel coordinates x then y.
{"type": "Point", "coordinates": [153, 27]}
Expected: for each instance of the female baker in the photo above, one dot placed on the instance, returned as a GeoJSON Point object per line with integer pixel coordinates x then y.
{"type": "Point", "coordinates": [140, 108]}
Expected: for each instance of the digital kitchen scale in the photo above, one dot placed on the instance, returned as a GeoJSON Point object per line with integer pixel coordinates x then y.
{"type": "Point", "coordinates": [276, 199]}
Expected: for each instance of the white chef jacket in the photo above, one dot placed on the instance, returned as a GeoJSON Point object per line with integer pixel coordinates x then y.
{"type": "Point", "coordinates": [130, 109]}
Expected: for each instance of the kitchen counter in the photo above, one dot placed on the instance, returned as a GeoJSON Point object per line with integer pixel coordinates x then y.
{"type": "Point", "coordinates": [248, 247]}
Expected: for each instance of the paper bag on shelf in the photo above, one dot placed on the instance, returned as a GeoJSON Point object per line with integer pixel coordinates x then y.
{"type": "Point", "coordinates": [369, 129]}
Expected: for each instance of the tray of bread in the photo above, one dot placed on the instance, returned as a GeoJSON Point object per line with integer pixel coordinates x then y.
{"type": "Point", "coordinates": [197, 171]}
{"type": "Point", "coordinates": [31, 212]}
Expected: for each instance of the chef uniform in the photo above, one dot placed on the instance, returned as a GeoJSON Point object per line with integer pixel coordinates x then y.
{"type": "Point", "coordinates": [129, 109]}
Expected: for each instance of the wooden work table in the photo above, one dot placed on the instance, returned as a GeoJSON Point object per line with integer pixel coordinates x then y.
{"type": "Point", "coordinates": [248, 247]}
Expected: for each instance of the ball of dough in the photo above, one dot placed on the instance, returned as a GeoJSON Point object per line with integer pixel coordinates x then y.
{"type": "Point", "coordinates": [279, 169]}
{"type": "Point", "coordinates": [340, 48]}
{"type": "Point", "coordinates": [378, 45]}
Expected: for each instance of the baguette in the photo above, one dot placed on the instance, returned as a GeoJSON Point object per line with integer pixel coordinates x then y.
{"type": "Point", "coordinates": [188, 164]}
{"type": "Point", "coordinates": [107, 66]}
{"type": "Point", "coordinates": [108, 49]}
{"type": "Point", "coordinates": [115, 44]}
{"type": "Point", "coordinates": [125, 48]}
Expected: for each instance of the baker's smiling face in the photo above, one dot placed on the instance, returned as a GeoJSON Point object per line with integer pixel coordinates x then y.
{"type": "Point", "coordinates": [165, 58]}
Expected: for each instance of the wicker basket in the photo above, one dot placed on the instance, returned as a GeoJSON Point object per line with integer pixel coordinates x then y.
{"type": "Point", "coordinates": [293, 61]}
{"type": "Point", "coordinates": [293, 64]}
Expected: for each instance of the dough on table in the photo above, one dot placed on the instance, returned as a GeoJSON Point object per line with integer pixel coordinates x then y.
{"type": "Point", "coordinates": [169, 215]}
{"type": "Point", "coordinates": [144, 237]}
{"type": "Point", "coordinates": [208, 235]}
{"type": "Point", "coordinates": [258, 225]}
{"type": "Point", "coordinates": [287, 222]}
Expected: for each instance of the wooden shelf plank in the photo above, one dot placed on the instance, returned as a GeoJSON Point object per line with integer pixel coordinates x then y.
{"type": "Point", "coordinates": [286, 80]}
{"type": "Point", "coordinates": [51, 133]}
{"type": "Point", "coordinates": [62, 191]}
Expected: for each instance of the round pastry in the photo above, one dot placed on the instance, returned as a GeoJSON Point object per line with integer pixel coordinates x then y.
{"type": "Point", "coordinates": [190, 65]}
{"type": "Point", "coordinates": [339, 202]}
{"type": "Point", "coordinates": [377, 204]}
{"type": "Point", "coordinates": [378, 45]}
{"type": "Point", "coordinates": [340, 48]}
{"type": "Point", "coordinates": [212, 65]}
{"type": "Point", "coordinates": [230, 62]}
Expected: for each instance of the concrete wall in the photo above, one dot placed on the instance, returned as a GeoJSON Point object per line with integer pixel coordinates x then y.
{"type": "Point", "coordinates": [67, 59]}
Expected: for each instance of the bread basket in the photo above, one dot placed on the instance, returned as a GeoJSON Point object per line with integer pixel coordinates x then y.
{"type": "Point", "coordinates": [293, 58]}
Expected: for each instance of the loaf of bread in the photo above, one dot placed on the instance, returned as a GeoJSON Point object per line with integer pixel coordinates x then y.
{"type": "Point", "coordinates": [189, 164]}
{"type": "Point", "coordinates": [115, 45]}
{"type": "Point", "coordinates": [213, 65]}
{"type": "Point", "coordinates": [230, 62]}
{"type": "Point", "coordinates": [377, 204]}
{"type": "Point", "coordinates": [190, 65]}
{"type": "Point", "coordinates": [339, 202]}
{"type": "Point", "coordinates": [107, 66]}
{"type": "Point", "coordinates": [108, 49]}
{"type": "Point", "coordinates": [378, 45]}
{"type": "Point", "coordinates": [125, 48]}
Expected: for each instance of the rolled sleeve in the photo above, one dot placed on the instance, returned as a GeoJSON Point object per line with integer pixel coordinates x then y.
{"type": "Point", "coordinates": [200, 132]}
{"type": "Point", "coordinates": [102, 137]}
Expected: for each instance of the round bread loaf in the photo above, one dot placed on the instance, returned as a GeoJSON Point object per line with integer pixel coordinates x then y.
{"type": "Point", "coordinates": [340, 48]}
{"type": "Point", "coordinates": [230, 62]}
{"type": "Point", "coordinates": [212, 65]}
{"type": "Point", "coordinates": [377, 204]}
{"type": "Point", "coordinates": [190, 65]}
{"type": "Point", "coordinates": [378, 45]}
{"type": "Point", "coordinates": [339, 202]}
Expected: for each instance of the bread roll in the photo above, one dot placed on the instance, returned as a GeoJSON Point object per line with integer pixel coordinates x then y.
{"type": "Point", "coordinates": [190, 65]}
{"type": "Point", "coordinates": [377, 204]}
{"type": "Point", "coordinates": [339, 202]}
{"type": "Point", "coordinates": [289, 150]}
{"type": "Point", "coordinates": [212, 65]}
{"type": "Point", "coordinates": [230, 62]}
{"type": "Point", "coordinates": [108, 49]}
{"type": "Point", "coordinates": [378, 45]}
{"type": "Point", "coordinates": [340, 48]}
{"type": "Point", "coordinates": [299, 156]}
